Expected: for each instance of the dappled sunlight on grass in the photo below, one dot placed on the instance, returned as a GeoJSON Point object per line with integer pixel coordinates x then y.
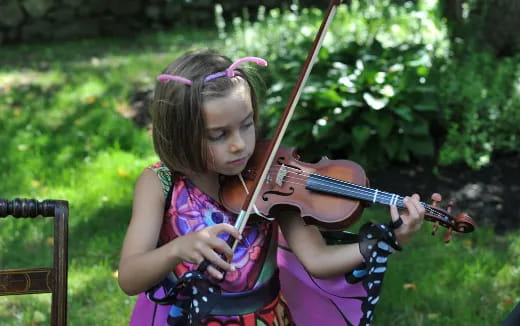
{"type": "Point", "coordinates": [66, 140]}
{"type": "Point", "coordinates": [433, 283]}
{"type": "Point", "coordinates": [29, 242]}
{"type": "Point", "coordinates": [92, 186]}
{"type": "Point", "coordinates": [93, 286]}
{"type": "Point", "coordinates": [464, 273]}
{"type": "Point", "coordinates": [472, 278]}
{"type": "Point", "coordinates": [99, 194]}
{"type": "Point", "coordinates": [10, 80]}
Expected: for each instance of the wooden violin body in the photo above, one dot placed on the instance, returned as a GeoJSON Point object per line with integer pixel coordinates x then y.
{"type": "Point", "coordinates": [287, 183]}
{"type": "Point", "coordinates": [330, 193]}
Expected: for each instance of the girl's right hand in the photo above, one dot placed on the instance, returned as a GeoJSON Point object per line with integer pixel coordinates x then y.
{"type": "Point", "coordinates": [197, 246]}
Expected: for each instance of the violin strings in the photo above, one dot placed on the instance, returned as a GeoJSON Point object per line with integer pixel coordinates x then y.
{"type": "Point", "coordinates": [333, 184]}
{"type": "Point", "coordinates": [368, 192]}
{"type": "Point", "coordinates": [337, 184]}
{"type": "Point", "coordinates": [381, 195]}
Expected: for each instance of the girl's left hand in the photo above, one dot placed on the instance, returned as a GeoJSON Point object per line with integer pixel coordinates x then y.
{"type": "Point", "coordinates": [412, 218]}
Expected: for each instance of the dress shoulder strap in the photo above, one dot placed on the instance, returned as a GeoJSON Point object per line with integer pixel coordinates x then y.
{"type": "Point", "coordinates": [165, 175]}
{"type": "Point", "coordinates": [167, 179]}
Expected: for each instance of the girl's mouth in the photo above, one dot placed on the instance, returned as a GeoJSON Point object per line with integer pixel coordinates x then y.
{"type": "Point", "coordinates": [239, 162]}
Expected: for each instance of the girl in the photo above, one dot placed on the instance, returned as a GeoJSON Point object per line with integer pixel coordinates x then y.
{"type": "Point", "coordinates": [204, 114]}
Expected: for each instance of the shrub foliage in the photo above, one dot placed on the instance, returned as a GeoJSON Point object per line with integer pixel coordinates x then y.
{"type": "Point", "coordinates": [386, 87]}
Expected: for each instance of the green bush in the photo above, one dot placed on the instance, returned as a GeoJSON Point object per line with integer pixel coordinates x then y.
{"type": "Point", "coordinates": [386, 86]}
{"type": "Point", "coordinates": [368, 97]}
{"type": "Point", "coordinates": [479, 98]}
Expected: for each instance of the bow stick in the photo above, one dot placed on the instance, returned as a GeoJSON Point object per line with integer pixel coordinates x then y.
{"type": "Point", "coordinates": [249, 202]}
{"type": "Point", "coordinates": [245, 212]}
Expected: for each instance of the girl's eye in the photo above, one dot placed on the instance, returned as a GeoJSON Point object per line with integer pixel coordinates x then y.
{"type": "Point", "coordinates": [216, 136]}
{"type": "Point", "coordinates": [248, 124]}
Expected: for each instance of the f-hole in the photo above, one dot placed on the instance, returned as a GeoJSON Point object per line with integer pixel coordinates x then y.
{"type": "Point", "coordinates": [294, 169]}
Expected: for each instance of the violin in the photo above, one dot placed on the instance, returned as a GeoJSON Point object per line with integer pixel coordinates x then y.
{"type": "Point", "coordinates": [337, 181]}
{"type": "Point", "coordinates": [330, 194]}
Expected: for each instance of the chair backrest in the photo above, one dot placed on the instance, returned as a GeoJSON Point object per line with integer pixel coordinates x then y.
{"type": "Point", "coordinates": [41, 280]}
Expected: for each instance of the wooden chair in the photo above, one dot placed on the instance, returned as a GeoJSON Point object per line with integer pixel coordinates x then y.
{"type": "Point", "coordinates": [41, 280]}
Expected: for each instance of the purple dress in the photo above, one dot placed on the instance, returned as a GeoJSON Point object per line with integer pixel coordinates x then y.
{"type": "Point", "coordinates": [254, 258]}
{"type": "Point", "coordinates": [312, 301]}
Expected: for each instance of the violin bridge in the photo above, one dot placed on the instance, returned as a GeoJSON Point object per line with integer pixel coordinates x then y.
{"type": "Point", "coordinates": [268, 179]}
{"type": "Point", "coordinates": [282, 172]}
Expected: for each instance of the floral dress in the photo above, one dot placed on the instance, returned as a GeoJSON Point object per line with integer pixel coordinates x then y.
{"type": "Point", "coordinates": [189, 210]}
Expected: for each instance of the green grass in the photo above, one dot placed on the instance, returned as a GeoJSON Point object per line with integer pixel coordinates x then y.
{"type": "Point", "coordinates": [63, 138]}
{"type": "Point", "coordinates": [472, 280]}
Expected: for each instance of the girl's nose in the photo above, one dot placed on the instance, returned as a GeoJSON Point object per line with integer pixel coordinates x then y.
{"type": "Point", "coordinates": [237, 143]}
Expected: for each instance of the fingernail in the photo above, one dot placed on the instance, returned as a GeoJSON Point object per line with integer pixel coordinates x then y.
{"type": "Point", "coordinates": [233, 268]}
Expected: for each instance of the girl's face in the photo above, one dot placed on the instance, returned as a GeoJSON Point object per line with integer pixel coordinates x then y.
{"type": "Point", "coordinates": [231, 130]}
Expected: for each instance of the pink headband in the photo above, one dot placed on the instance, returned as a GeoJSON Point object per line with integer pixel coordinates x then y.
{"type": "Point", "coordinates": [229, 72]}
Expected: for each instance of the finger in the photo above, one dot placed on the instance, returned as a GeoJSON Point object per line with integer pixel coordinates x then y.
{"type": "Point", "coordinates": [222, 247]}
{"type": "Point", "coordinates": [195, 258]}
{"type": "Point", "coordinates": [215, 273]}
{"type": "Point", "coordinates": [394, 213]}
{"type": "Point", "coordinates": [420, 208]}
{"type": "Point", "coordinates": [410, 207]}
{"type": "Point", "coordinates": [418, 205]}
{"type": "Point", "coordinates": [217, 260]}
{"type": "Point", "coordinates": [227, 228]}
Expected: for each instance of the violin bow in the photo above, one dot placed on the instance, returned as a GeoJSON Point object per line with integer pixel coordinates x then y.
{"type": "Point", "coordinates": [259, 179]}
{"type": "Point", "coordinates": [249, 202]}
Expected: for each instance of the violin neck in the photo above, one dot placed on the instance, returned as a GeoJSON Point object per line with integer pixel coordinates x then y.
{"type": "Point", "coordinates": [342, 188]}
{"type": "Point", "coordinates": [321, 183]}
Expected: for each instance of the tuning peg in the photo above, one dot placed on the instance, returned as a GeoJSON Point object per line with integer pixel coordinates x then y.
{"type": "Point", "coordinates": [436, 198]}
{"type": "Point", "coordinates": [447, 237]}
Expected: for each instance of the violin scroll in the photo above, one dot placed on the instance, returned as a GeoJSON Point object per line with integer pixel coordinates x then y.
{"type": "Point", "coordinates": [462, 222]}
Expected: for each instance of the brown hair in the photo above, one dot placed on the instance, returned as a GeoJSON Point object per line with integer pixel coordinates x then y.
{"type": "Point", "coordinates": [179, 132]}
